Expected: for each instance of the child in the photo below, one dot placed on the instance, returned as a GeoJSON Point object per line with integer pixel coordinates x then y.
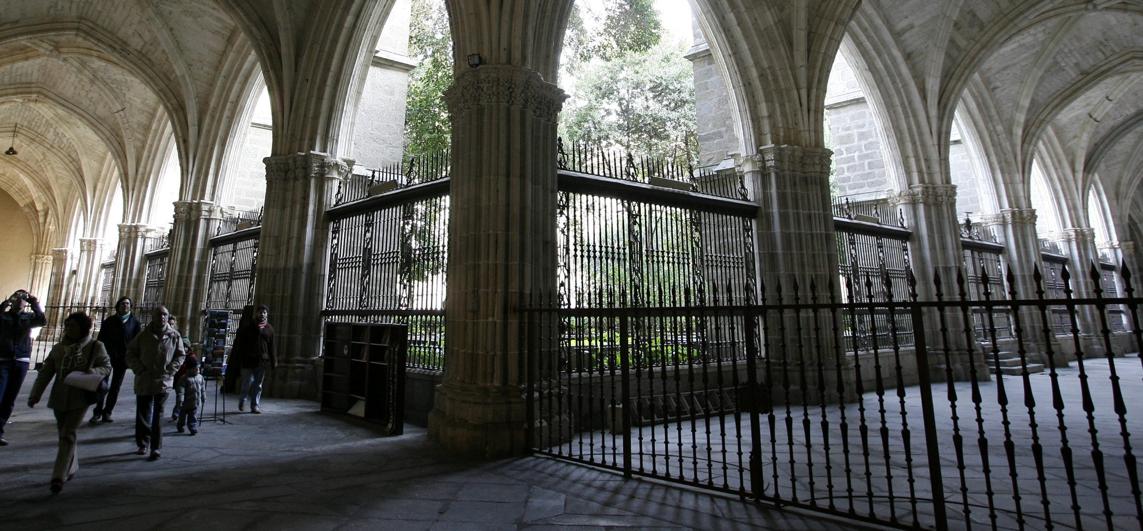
{"type": "Point", "coordinates": [180, 377]}
{"type": "Point", "coordinates": [193, 388]}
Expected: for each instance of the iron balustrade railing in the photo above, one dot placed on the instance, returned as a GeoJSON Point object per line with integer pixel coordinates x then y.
{"type": "Point", "coordinates": [983, 265]}
{"type": "Point", "coordinates": [409, 172]}
{"type": "Point", "coordinates": [239, 221]}
{"type": "Point", "coordinates": [106, 278]}
{"type": "Point", "coordinates": [870, 250]}
{"type": "Point", "coordinates": [47, 336]}
{"type": "Point", "coordinates": [155, 279]}
{"type": "Point", "coordinates": [387, 264]}
{"type": "Point", "coordinates": [770, 404]}
{"type": "Point", "coordinates": [233, 267]}
{"type": "Point", "coordinates": [585, 159]}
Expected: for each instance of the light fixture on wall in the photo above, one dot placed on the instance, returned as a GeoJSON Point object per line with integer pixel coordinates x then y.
{"type": "Point", "coordinates": [475, 60]}
{"type": "Point", "coordinates": [12, 146]}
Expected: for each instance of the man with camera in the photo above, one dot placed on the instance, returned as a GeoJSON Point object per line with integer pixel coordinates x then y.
{"type": "Point", "coordinates": [15, 348]}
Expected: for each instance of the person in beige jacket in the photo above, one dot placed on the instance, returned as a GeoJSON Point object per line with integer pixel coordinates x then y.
{"type": "Point", "coordinates": [77, 351]}
{"type": "Point", "coordinates": [155, 355]}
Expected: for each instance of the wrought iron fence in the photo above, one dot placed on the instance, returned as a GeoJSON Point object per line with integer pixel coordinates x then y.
{"type": "Point", "coordinates": [156, 278]}
{"type": "Point", "coordinates": [869, 250]}
{"type": "Point", "coordinates": [230, 285]}
{"type": "Point", "coordinates": [238, 221]}
{"type": "Point", "coordinates": [387, 264]}
{"type": "Point", "coordinates": [781, 411]}
{"type": "Point", "coordinates": [984, 264]}
{"type": "Point", "coordinates": [106, 278]}
{"type": "Point", "coordinates": [587, 159]}
{"type": "Point", "coordinates": [47, 336]}
{"type": "Point", "coordinates": [410, 171]}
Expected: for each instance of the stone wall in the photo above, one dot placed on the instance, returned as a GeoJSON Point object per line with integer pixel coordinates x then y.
{"type": "Point", "coordinates": [717, 136]}
{"type": "Point", "coordinates": [379, 133]}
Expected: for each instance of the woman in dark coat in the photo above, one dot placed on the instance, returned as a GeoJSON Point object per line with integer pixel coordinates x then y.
{"type": "Point", "coordinates": [254, 352]}
{"type": "Point", "coordinates": [77, 351]}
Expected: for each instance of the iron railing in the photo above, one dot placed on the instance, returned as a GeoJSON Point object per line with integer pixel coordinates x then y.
{"type": "Point", "coordinates": [387, 264]}
{"type": "Point", "coordinates": [47, 336]}
{"type": "Point", "coordinates": [769, 404]}
{"type": "Point", "coordinates": [106, 278]}
{"type": "Point", "coordinates": [230, 284]}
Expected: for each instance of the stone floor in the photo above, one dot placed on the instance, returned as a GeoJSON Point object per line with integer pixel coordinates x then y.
{"type": "Point", "coordinates": [294, 468]}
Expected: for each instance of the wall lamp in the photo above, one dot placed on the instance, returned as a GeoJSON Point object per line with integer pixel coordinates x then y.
{"type": "Point", "coordinates": [475, 60]}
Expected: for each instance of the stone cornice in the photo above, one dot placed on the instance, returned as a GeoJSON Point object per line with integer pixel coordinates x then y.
{"type": "Point", "coordinates": [928, 194]}
{"type": "Point", "coordinates": [505, 86]}
{"type": "Point", "coordinates": [305, 166]}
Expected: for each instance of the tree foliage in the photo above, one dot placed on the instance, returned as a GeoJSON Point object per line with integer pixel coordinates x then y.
{"type": "Point", "coordinates": [639, 102]}
{"type": "Point", "coordinates": [632, 90]}
{"type": "Point", "coordinates": [427, 121]}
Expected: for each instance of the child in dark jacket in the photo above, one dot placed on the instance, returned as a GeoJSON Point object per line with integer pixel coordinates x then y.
{"type": "Point", "coordinates": [193, 388]}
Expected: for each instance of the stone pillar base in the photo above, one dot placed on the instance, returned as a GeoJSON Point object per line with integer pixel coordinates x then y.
{"type": "Point", "coordinates": [480, 421]}
{"type": "Point", "coordinates": [962, 365]}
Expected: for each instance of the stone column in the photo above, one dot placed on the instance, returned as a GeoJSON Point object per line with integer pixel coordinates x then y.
{"type": "Point", "coordinates": [57, 292]}
{"type": "Point", "coordinates": [930, 211]}
{"type": "Point", "coordinates": [502, 253]}
{"type": "Point", "coordinates": [796, 239]}
{"type": "Point", "coordinates": [130, 267]}
{"type": "Point", "coordinates": [292, 258]}
{"type": "Point", "coordinates": [189, 261]}
{"type": "Point", "coordinates": [796, 247]}
{"type": "Point", "coordinates": [1016, 228]}
{"type": "Point", "coordinates": [39, 282]}
{"type": "Point", "coordinates": [1079, 242]}
{"type": "Point", "coordinates": [87, 271]}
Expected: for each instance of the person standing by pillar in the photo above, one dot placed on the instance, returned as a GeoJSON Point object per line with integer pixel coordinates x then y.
{"type": "Point", "coordinates": [15, 348]}
{"type": "Point", "coordinates": [155, 355]}
{"type": "Point", "coordinates": [254, 345]}
{"type": "Point", "coordinates": [75, 352]}
{"type": "Point", "coordinates": [115, 333]}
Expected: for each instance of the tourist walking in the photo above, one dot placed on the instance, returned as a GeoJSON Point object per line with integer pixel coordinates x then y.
{"type": "Point", "coordinates": [254, 349]}
{"type": "Point", "coordinates": [115, 333]}
{"type": "Point", "coordinates": [77, 351]}
{"type": "Point", "coordinates": [15, 348]}
{"type": "Point", "coordinates": [182, 370]}
{"type": "Point", "coordinates": [193, 387]}
{"type": "Point", "coordinates": [155, 355]}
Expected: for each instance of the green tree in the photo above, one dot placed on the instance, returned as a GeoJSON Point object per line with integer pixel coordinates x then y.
{"type": "Point", "coordinates": [639, 102]}
{"type": "Point", "coordinates": [427, 121]}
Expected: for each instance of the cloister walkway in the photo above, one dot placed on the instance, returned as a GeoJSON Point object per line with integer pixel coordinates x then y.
{"type": "Point", "coordinates": [294, 468]}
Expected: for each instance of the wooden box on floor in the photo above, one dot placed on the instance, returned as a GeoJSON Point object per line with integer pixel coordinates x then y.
{"type": "Point", "coordinates": [364, 373]}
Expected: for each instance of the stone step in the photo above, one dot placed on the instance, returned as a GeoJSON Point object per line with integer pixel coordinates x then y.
{"type": "Point", "coordinates": [1007, 362]}
{"type": "Point", "coordinates": [1033, 368]}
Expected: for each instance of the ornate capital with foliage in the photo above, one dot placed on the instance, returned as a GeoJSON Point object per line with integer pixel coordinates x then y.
{"type": "Point", "coordinates": [1078, 234]}
{"type": "Point", "coordinates": [927, 194]}
{"type": "Point", "coordinates": [195, 210]}
{"type": "Point", "coordinates": [1012, 216]}
{"type": "Point", "coordinates": [304, 166]}
{"type": "Point", "coordinates": [793, 161]}
{"type": "Point", "coordinates": [504, 85]}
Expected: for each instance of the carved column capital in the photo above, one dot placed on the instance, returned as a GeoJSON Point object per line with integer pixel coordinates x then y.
{"type": "Point", "coordinates": [89, 245]}
{"type": "Point", "coordinates": [41, 259]}
{"type": "Point", "coordinates": [305, 166]}
{"type": "Point", "coordinates": [505, 85]}
{"type": "Point", "coordinates": [1012, 216]}
{"type": "Point", "coordinates": [1078, 234]}
{"type": "Point", "coordinates": [929, 194]}
{"type": "Point", "coordinates": [60, 253]}
{"type": "Point", "coordinates": [794, 161]}
{"type": "Point", "coordinates": [196, 210]}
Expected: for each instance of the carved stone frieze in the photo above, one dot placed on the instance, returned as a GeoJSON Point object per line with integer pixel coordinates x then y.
{"type": "Point", "coordinates": [89, 245]}
{"type": "Point", "coordinates": [928, 194]}
{"type": "Point", "coordinates": [1012, 216]}
{"type": "Point", "coordinates": [305, 166]}
{"type": "Point", "coordinates": [506, 86]}
{"type": "Point", "coordinates": [196, 210]}
{"type": "Point", "coordinates": [1077, 234]}
{"type": "Point", "coordinates": [791, 161]}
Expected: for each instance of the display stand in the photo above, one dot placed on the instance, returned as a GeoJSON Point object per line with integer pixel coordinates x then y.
{"type": "Point", "coordinates": [219, 414]}
{"type": "Point", "coordinates": [364, 372]}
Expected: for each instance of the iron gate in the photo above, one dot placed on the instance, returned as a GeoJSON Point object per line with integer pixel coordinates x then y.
{"type": "Point", "coordinates": [887, 435]}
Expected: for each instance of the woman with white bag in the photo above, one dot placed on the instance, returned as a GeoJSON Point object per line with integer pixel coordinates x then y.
{"type": "Point", "coordinates": [80, 363]}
